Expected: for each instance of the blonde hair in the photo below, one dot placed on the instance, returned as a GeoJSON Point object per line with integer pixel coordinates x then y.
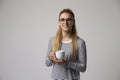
{"type": "Point", "coordinates": [58, 37]}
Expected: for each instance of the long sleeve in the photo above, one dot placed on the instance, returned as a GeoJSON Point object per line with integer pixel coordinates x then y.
{"type": "Point", "coordinates": [48, 62]}
{"type": "Point", "coordinates": [80, 65]}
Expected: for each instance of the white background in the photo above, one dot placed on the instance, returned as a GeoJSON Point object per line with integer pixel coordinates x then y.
{"type": "Point", "coordinates": [27, 25]}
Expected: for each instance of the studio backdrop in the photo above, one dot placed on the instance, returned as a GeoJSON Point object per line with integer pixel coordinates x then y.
{"type": "Point", "coordinates": [27, 25]}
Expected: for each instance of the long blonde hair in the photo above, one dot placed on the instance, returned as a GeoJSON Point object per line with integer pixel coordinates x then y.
{"type": "Point", "coordinates": [58, 37]}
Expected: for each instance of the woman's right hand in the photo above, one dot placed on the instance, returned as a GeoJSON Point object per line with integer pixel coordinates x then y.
{"type": "Point", "coordinates": [52, 55]}
{"type": "Point", "coordinates": [53, 58]}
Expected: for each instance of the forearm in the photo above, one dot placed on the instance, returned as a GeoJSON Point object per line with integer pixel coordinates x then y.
{"type": "Point", "coordinates": [80, 64]}
{"type": "Point", "coordinates": [48, 62]}
{"type": "Point", "coordinates": [77, 66]}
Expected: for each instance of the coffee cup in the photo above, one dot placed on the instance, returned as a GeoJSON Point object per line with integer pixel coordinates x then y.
{"type": "Point", "coordinates": [60, 54]}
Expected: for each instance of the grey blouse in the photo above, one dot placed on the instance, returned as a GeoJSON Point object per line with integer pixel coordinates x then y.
{"type": "Point", "coordinates": [72, 70]}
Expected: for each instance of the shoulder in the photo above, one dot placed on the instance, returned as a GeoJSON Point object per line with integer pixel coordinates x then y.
{"type": "Point", "coordinates": [51, 39]}
{"type": "Point", "coordinates": [80, 40]}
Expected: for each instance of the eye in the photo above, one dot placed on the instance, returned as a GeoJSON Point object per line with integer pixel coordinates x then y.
{"type": "Point", "coordinates": [68, 19]}
{"type": "Point", "coordinates": [62, 19]}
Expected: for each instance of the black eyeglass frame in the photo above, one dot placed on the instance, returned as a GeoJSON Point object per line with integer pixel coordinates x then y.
{"type": "Point", "coordinates": [68, 19]}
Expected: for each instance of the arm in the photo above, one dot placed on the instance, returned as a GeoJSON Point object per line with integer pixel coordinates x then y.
{"type": "Point", "coordinates": [82, 59]}
{"type": "Point", "coordinates": [48, 62]}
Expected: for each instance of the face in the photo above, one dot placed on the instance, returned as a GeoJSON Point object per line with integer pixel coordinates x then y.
{"type": "Point", "coordinates": [66, 22]}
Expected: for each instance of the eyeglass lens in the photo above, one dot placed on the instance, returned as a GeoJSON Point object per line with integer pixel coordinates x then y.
{"type": "Point", "coordinates": [68, 19]}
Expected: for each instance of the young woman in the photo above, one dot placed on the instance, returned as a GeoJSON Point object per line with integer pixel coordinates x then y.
{"type": "Point", "coordinates": [66, 39]}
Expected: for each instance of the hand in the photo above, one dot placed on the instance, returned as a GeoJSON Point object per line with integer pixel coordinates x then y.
{"type": "Point", "coordinates": [59, 61]}
{"type": "Point", "coordinates": [54, 59]}
{"type": "Point", "coordinates": [52, 55]}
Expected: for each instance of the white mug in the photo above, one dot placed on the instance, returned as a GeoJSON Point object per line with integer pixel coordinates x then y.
{"type": "Point", "coordinates": [60, 54]}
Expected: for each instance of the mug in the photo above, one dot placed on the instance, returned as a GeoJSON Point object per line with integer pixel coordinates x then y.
{"type": "Point", "coordinates": [60, 54]}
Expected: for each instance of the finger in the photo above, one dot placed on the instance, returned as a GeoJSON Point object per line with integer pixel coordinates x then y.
{"type": "Point", "coordinates": [58, 61]}
{"type": "Point", "coordinates": [51, 57]}
{"type": "Point", "coordinates": [53, 52]}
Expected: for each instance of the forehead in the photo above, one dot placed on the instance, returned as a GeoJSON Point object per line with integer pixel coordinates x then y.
{"type": "Point", "coordinates": [65, 15]}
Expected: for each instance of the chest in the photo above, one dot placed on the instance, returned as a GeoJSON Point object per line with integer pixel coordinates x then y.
{"type": "Point", "coordinates": [68, 50]}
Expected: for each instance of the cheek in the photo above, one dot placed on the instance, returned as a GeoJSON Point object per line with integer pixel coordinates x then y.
{"type": "Point", "coordinates": [71, 24]}
{"type": "Point", "coordinates": [60, 24]}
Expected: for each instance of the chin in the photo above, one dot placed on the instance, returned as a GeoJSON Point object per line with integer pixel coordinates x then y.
{"type": "Point", "coordinates": [66, 30]}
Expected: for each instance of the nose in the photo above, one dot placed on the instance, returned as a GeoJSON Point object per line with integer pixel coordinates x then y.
{"type": "Point", "coordinates": [66, 21]}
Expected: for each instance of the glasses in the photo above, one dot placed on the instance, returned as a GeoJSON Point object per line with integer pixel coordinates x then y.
{"type": "Point", "coordinates": [67, 20]}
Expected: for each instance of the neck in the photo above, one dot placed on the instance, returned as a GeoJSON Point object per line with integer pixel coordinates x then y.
{"type": "Point", "coordinates": [66, 36]}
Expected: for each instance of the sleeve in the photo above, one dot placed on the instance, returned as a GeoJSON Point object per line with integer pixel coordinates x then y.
{"type": "Point", "coordinates": [48, 62]}
{"type": "Point", "coordinates": [82, 59]}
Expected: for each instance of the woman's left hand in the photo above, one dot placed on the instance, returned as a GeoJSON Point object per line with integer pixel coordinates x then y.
{"type": "Point", "coordinates": [59, 61]}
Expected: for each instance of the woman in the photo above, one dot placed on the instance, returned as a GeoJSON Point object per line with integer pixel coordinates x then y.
{"type": "Point", "coordinates": [74, 47]}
